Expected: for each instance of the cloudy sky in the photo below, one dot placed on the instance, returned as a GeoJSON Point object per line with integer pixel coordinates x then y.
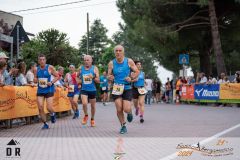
{"type": "Point", "coordinates": [70, 19]}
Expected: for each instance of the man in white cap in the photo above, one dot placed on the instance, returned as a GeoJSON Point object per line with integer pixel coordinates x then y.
{"type": "Point", "coordinates": [7, 75]}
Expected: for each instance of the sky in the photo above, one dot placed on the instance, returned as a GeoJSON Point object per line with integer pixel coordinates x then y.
{"type": "Point", "coordinates": [70, 19]}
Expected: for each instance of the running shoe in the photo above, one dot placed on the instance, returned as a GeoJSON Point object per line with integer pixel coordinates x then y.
{"type": "Point", "coordinates": [93, 123]}
{"type": "Point", "coordinates": [84, 120]}
{"type": "Point", "coordinates": [45, 126]}
{"type": "Point", "coordinates": [129, 117]}
{"type": "Point", "coordinates": [53, 118]}
{"type": "Point", "coordinates": [76, 114]}
{"type": "Point", "coordinates": [123, 130]}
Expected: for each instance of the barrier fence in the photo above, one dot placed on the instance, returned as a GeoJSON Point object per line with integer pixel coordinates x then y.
{"type": "Point", "coordinates": [16, 102]}
{"type": "Point", "coordinates": [222, 93]}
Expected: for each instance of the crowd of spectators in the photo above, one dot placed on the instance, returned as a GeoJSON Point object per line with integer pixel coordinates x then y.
{"type": "Point", "coordinates": [222, 78]}
{"type": "Point", "coordinates": [16, 74]}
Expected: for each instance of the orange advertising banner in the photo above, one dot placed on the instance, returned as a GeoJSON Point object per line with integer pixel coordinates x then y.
{"type": "Point", "coordinates": [230, 91]}
{"type": "Point", "coordinates": [25, 101]}
{"type": "Point", "coordinates": [18, 102]}
{"type": "Point", "coordinates": [7, 102]}
{"type": "Point", "coordinates": [187, 92]}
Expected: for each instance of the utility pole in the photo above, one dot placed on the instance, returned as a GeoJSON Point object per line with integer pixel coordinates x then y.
{"type": "Point", "coordinates": [87, 33]}
{"type": "Point", "coordinates": [18, 41]}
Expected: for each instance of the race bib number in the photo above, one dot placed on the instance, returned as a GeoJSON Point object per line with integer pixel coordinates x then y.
{"type": "Point", "coordinates": [87, 79]}
{"type": "Point", "coordinates": [118, 89]}
{"type": "Point", "coordinates": [71, 88]}
{"type": "Point", "coordinates": [42, 82]}
{"type": "Point", "coordinates": [104, 88]}
{"type": "Point", "coordinates": [142, 90]}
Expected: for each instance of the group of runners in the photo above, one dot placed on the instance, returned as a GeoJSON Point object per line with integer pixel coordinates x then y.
{"type": "Point", "coordinates": [125, 75]}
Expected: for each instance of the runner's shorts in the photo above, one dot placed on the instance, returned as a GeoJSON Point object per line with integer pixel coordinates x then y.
{"type": "Point", "coordinates": [127, 95]}
{"type": "Point", "coordinates": [135, 93]}
{"type": "Point", "coordinates": [45, 95]}
{"type": "Point", "coordinates": [72, 94]}
{"type": "Point", "coordinates": [90, 94]}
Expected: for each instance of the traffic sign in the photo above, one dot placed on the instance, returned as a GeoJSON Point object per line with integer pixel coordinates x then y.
{"type": "Point", "coordinates": [183, 59]}
{"type": "Point", "coordinates": [22, 34]}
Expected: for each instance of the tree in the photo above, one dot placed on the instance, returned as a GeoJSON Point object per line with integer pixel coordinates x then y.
{"type": "Point", "coordinates": [168, 28]}
{"type": "Point", "coordinates": [54, 45]}
{"type": "Point", "coordinates": [98, 40]}
{"type": "Point", "coordinates": [105, 58]}
{"type": "Point", "coordinates": [216, 38]}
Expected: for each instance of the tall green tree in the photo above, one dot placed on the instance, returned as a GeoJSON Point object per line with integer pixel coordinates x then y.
{"type": "Point", "coordinates": [105, 58]}
{"type": "Point", "coordinates": [55, 45]}
{"type": "Point", "coordinates": [168, 28]}
{"type": "Point", "coordinates": [98, 40]}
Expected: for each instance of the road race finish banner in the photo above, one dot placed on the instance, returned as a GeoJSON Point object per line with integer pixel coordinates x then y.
{"type": "Point", "coordinates": [188, 92]}
{"type": "Point", "coordinates": [18, 102]}
{"type": "Point", "coordinates": [230, 91]}
{"type": "Point", "coordinates": [206, 92]}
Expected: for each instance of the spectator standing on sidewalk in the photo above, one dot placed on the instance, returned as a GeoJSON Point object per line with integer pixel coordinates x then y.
{"type": "Point", "coordinates": [3, 66]}
{"type": "Point", "coordinates": [8, 76]}
{"type": "Point", "coordinates": [158, 90]}
{"type": "Point", "coordinates": [203, 78]}
{"type": "Point", "coordinates": [21, 79]}
{"type": "Point", "coordinates": [168, 89]}
{"type": "Point", "coordinates": [178, 89]}
{"type": "Point", "coordinates": [154, 99]}
{"type": "Point", "coordinates": [149, 86]}
{"type": "Point", "coordinates": [237, 77]}
{"type": "Point", "coordinates": [222, 78]}
{"type": "Point", "coordinates": [30, 73]}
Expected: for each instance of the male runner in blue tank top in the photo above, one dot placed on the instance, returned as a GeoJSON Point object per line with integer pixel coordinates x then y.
{"type": "Point", "coordinates": [89, 75]}
{"type": "Point", "coordinates": [45, 88]}
{"type": "Point", "coordinates": [119, 73]}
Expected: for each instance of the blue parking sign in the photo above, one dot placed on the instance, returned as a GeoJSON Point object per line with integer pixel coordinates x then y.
{"type": "Point", "coordinates": [183, 59]}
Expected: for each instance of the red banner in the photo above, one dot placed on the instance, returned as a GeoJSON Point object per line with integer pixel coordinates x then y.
{"type": "Point", "coordinates": [187, 92]}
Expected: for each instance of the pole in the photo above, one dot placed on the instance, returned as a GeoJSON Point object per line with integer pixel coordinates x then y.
{"type": "Point", "coordinates": [183, 71]}
{"type": "Point", "coordinates": [17, 41]}
{"type": "Point", "coordinates": [12, 52]}
{"type": "Point", "coordinates": [87, 33]}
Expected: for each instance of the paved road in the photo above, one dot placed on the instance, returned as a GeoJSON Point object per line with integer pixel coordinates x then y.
{"type": "Point", "coordinates": [165, 126]}
{"type": "Point", "coordinates": [161, 120]}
